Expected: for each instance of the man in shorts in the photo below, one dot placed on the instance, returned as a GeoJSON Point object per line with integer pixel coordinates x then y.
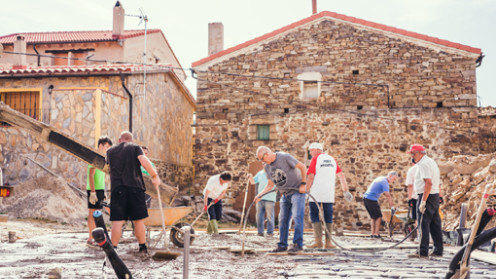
{"type": "Point", "coordinates": [370, 199]}
{"type": "Point", "coordinates": [128, 188]}
{"type": "Point", "coordinates": [95, 187]}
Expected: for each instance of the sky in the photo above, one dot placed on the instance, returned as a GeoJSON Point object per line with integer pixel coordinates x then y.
{"type": "Point", "coordinates": [185, 22]}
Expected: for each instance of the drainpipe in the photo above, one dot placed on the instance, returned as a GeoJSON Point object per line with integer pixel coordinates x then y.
{"type": "Point", "coordinates": [130, 103]}
{"type": "Point", "coordinates": [37, 54]}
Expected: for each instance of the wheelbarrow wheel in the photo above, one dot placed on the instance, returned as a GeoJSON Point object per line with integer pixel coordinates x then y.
{"type": "Point", "coordinates": [408, 228]}
{"type": "Point", "coordinates": [177, 235]}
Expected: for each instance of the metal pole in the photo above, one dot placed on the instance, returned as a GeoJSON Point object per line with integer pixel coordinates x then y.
{"type": "Point", "coordinates": [186, 254]}
{"type": "Point", "coordinates": [145, 18]}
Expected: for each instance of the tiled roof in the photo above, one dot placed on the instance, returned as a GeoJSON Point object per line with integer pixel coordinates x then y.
{"type": "Point", "coordinates": [101, 68]}
{"type": "Point", "coordinates": [73, 36]}
{"type": "Point", "coordinates": [341, 17]}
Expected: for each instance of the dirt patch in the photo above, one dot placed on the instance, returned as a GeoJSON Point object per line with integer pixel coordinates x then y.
{"type": "Point", "coordinates": [46, 198]}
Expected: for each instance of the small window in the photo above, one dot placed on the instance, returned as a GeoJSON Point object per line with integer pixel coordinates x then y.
{"type": "Point", "coordinates": [310, 89]}
{"type": "Point", "coordinates": [439, 104]}
{"type": "Point", "coordinates": [355, 72]}
{"type": "Point", "coordinates": [263, 132]}
{"type": "Point", "coordinates": [359, 107]}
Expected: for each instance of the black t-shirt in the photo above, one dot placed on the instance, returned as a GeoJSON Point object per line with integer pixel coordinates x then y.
{"type": "Point", "coordinates": [125, 166]}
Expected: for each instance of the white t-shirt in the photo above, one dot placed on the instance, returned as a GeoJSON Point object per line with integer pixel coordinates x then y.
{"type": "Point", "coordinates": [214, 186]}
{"type": "Point", "coordinates": [427, 168]}
{"type": "Point", "coordinates": [325, 168]}
{"type": "Point", "coordinates": [410, 179]}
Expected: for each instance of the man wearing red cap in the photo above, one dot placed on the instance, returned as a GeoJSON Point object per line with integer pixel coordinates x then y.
{"type": "Point", "coordinates": [427, 184]}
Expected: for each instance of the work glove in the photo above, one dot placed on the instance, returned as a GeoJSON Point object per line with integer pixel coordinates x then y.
{"type": "Point", "coordinates": [393, 209]}
{"type": "Point", "coordinates": [205, 208]}
{"type": "Point", "coordinates": [422, 207]}
{"type": "Point", "coordinates": [441, 200]}
{"type": "Point", "coordinates": [348, 197]}
{"type": "Point", "coordinates": [93, 198]}
{"type": "Point", "coordinates": [216, 200]}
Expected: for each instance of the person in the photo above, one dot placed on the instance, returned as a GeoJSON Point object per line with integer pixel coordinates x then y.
{"type": "Point", "coordinates": [370, 199]}
{"type": "Point", "coordinates": [266, 205]}
{"type": "Point", "coordinates": [95, 187]}
{"type": "Point", "coordinates": [321, 181]}
{"type": "Point", "coordinates": [289, 177]}
{"type": "Point", "coordinates": [145, 151]}
{"type": "Point", "coordinates": [148, 198]}
{"type": "Point", "coordinates": [127, 201]}
{"type": "Point", "coordinates": [214, 192]}
{"type": "Point", "coordinates": [427, 184]}
{"type": "Point", "coordinates": [412, 196]}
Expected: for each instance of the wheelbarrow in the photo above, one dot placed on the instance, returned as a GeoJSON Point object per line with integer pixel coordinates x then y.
{"type": "Point", "coordinates": [171, 215]}
{"type": "Point", "coordinates": [391, 221]}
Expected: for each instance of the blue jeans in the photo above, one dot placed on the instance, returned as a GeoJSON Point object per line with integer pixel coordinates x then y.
{"type": "Point", "coordinates": [314, 212]}
{"type": "Point", "coordinates": [262, 208]}
{"type": "Point", "coordinates": [293, 205]}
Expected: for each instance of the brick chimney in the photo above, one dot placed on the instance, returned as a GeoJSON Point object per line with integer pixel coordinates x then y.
{"type": "Point", "coordinates": [19, 47]}
{"type": "Point", "coordinates": [314, 7]}
{"type": "Point", "coordinates": [215, 37]}
{"type": "Point", "coordinates": [118, 23]}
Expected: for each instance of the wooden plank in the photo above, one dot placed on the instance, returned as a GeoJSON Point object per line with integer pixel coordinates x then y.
{"type": "Point", "coordinates": [302, 254]}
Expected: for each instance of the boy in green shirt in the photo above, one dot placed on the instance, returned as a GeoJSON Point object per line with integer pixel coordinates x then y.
{"type": "Point", "coordinates": [95, 186]}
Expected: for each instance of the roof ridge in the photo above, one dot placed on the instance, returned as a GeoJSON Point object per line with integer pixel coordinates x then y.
{"type": "Point", "coordinates": [339, 17]}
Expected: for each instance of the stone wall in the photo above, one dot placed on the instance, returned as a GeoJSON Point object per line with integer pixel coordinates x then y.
{"type": "Point", "coordinates": [379, 93]}
{"type": "Point", "coordinates": [85, 108]}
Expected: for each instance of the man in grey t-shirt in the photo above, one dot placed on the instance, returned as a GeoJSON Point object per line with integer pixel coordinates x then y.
{"type": "Point", "coordinates": [289, 177]}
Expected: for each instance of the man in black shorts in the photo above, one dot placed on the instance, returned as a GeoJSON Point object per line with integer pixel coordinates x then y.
{"type": "Point", "coordinates": [127, 200]}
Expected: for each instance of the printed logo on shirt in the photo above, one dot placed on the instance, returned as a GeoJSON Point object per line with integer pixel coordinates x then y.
{"type": "Point", "coordinates": [327, 163]}
{"type": "Point", "coordinates": [279, 177]}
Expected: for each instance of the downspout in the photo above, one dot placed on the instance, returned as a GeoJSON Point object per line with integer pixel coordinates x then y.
{"type": "Point", "coordinates": [37, 54]}
{"type": "Point", "coordinates": [130, 103]}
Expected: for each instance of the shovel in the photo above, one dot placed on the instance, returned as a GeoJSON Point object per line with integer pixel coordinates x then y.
{"type": "Point", "coordinates": [164, 254]}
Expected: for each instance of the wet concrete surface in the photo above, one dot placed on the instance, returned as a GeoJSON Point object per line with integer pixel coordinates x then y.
{"type": "Point", "coordinates": [36, 256]}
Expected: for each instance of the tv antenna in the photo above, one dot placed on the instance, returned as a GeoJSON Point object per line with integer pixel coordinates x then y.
{"type": "Point", "coordinates": [143, 18]}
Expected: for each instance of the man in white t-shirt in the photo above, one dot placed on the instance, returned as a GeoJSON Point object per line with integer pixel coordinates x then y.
{"type": "Point", "coordinates": [427, 184]}
{"type": "Point", "coordinates": [412, 196]}
{"type": "Point", "coordinates": [321, 181]}
{"type": "Point", "coordinates": [213, 193]}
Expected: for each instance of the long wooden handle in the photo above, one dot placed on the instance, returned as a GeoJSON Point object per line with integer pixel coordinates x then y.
{"type": "Point", "coordinates": [244, 205]}
{"type": "Point", "coordinates": [162, 217]}
{"type": "Point", "coordinates": [463, 266]}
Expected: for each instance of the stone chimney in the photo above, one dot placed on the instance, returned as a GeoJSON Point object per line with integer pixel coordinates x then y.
{"type": "Point", "coordinates": [215, 37]}
{"type": "Point", "coordinates": [314, 7]}
{"type": "Point", "coordinates": [19, 47]}
{"type": "Point", "coordinates": [118, 23]}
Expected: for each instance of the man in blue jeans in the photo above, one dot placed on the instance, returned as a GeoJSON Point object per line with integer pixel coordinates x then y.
{"type": "Point", "coordinates": [266, 205]}
{"type": "Point", "coordinates": [289, 177]}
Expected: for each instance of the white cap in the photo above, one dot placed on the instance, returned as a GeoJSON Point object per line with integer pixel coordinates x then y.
{"type": "Point", "coordinates": [316, 145]}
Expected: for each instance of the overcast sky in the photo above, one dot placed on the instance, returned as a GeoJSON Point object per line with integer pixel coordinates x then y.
{"type": "Point", "coordinates": [185, 22]}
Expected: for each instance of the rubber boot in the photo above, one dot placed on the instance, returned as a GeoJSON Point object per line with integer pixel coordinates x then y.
{"type": "Point", "coordinates": [317, 233]}
{"type": "Point", "coordinates": [328, 242]}
{"type": "Point", "coordinates": [215, 226]}
{"type": "Point", "coordinates": [210, 227]}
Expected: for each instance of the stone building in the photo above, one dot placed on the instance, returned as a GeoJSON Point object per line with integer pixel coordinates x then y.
{"type": "Point", "coordinates": [365, 90]}
{"type": "Point", "coordinates": [80, 85]}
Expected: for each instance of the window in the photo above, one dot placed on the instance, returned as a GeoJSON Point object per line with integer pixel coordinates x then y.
{"type": "Point", "coordinates": [27, 102]}
{"type": "Point", "coordinates": [310, 85]}
{"type": "Point", "coordinates": [263, 132]}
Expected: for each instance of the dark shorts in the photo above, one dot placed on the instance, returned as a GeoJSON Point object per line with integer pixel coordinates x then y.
{"type": "Point", "coordinates": [127, 203]}
{"type": "Point", "coordinates": [373, 208]}
{"type": "Point", "coordinates": [100, 194]}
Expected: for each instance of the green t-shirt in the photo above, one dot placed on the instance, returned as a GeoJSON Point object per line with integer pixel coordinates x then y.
{"type": "Point", "coordinates": [99, 179]}
{"type": "Point", "coordinates": [143, 169]}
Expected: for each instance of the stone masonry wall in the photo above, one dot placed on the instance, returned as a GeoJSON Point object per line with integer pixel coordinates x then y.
{"type": "Point", "coordinates": [71, 108]}
{"type": "Point", "coordinates": [431, 93]}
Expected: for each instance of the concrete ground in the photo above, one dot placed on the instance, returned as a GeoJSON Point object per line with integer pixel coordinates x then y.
{"type": "Point", "coordinates": [42, 249]}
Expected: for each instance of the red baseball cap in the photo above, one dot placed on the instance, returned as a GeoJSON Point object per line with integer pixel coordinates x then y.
{"type": "Point", "coordinates": [416, 147]}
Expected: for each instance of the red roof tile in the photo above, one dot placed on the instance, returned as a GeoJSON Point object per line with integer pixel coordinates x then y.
{"type": "Point", "coordinates": [73, 36]}
{"type": "Point", "coordinates": [342, 17]}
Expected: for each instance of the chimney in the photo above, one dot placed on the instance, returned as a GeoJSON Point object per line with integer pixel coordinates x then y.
{"type": "Point", "coordinates": [314, 7]}
{"type": "Point", "coordinates": [20, 47]}
{"type": "Point", "coordinates": [215, 37]}
{"type": "Point", "coordinates": [118, 23]}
